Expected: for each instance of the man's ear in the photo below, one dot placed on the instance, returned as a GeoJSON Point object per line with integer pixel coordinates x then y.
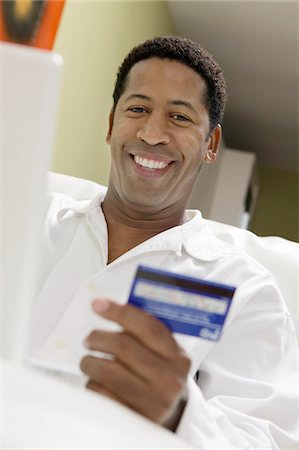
{"type": "Point", "coordinates": [111, 119]}
{"type": "Point", "coordinates": [213, 144]}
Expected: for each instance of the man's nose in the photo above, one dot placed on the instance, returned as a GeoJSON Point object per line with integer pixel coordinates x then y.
{"type": "Point", "coordinates": [154, 131]}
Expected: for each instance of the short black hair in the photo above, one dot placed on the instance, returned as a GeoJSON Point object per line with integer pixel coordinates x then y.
{"type": "Point", "coordinates": [187, 52]}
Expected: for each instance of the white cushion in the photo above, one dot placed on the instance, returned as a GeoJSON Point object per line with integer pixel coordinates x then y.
{"type": "Point", "coordinates": [42, 412]}
{"type": "Point", "coordinates": [77, 188]}
{"type": "Point", "coordinates": [278, 255]}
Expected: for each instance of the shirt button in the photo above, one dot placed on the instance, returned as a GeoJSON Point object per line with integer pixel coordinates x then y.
{"type": "Point", "coordinates": [92, 287]}
{"type": "Point", "coordinates": [60, 344]}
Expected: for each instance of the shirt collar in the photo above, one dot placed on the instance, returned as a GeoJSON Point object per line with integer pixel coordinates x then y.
{"type": "Point", "coordinates": [82, 206]}
{"type": "Point", "coordinates": [194, 236]}
{"type": "Point", "coordinates": [198, 239]}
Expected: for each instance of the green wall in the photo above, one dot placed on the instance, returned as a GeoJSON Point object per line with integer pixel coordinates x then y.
{"type": "Point", "coordinates": [93, 38]}
{"type": "Point", "coordinates": [277, 210]}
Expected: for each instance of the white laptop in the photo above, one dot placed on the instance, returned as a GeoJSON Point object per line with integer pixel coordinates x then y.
{"type": "Point", "coordinates": [29, 88]}
{"type": "Point", "coordinates": [29, 93]}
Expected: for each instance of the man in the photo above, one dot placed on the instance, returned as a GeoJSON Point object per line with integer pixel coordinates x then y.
{"type": "Point", "coordinates": [169, 100]}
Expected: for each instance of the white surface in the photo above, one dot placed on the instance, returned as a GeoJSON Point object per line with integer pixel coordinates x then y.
{"type": "Point", "coordinates": [232, 185]}
{"type": "Point", "coordinates": [42, 413]}
{"type": "Point", "coordinates": [29, 86]}
{"type": "Point", "coordinates": [220, 190]}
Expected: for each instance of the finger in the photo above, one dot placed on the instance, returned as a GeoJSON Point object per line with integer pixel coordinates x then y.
{"type": "Point", "coordinates": [137, 357]}
{"type": "Point", "coordinates": [141, 409]}
{"type": "Point", "coordinates": [124, 388]}
{"type": "Point", "coordinates": [149, 330]}
{"type": "Point", "coordinates": [114, 377]}
{"type": "Point", "coordinates": [99, 389]}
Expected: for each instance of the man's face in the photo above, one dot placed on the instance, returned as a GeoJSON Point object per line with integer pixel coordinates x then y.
{"type": "Point", "coordinates": [159, 135]}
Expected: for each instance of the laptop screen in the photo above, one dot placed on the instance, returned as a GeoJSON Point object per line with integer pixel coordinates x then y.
{"type": "Point", "coordinates": [29, 91]}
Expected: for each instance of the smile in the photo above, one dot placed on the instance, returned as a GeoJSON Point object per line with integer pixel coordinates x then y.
{"type": "Point", "coordinates": [150, 163]}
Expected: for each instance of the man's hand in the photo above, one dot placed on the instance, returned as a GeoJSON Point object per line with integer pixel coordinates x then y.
{"type": "Point", "coordinates": [148, 370]}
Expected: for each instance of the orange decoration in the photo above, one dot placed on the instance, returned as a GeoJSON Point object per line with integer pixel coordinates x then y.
{"type": "Point", "coordinates": [30, 22]}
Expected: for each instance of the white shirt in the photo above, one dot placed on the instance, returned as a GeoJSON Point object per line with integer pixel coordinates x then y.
{"type": "Point", "coordinates": [246, 392]}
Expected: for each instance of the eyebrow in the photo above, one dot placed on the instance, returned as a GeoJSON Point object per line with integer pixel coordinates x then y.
{"type": "Point", "coordinates": [172, 102]}
{"type": "Point", "coordinates": [183, 103]}
{"type": "Point", "coordinates": [140, 96]}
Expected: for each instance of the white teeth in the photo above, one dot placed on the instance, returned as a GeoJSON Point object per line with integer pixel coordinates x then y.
{"type": "Point", "coordinates": [149, 163]}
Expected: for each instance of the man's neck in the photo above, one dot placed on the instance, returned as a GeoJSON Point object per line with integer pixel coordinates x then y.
{"type": "Point", "coordinates": [127, 227]}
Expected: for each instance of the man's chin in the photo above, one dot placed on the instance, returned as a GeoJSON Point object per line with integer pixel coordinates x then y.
{"type": "Point", "coordinates": [146, 202]}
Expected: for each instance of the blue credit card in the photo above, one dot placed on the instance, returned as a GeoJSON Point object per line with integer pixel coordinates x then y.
{"type": "Point", "coordinates": [185, 304]}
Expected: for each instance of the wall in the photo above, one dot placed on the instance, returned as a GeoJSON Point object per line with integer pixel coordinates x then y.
{"type": "Point", "coordinates": [93, 38]}
{"type": "Point", "coordinates": [277, 210]}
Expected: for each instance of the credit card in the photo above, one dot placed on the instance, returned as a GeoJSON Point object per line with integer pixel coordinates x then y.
{"type": "Point", "coordinates": [184, 304]}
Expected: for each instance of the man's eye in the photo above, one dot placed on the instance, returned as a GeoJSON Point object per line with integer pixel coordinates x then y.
{"type": "Point", "coordinates": [137, 109]}
{"type": "Point", "coordinates": [180, 118]}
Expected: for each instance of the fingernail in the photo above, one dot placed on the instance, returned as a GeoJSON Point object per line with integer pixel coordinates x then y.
{"type": "Point", "coordinates": [100, 306]}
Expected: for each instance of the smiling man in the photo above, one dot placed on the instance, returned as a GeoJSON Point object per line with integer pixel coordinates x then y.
{"type": "Point", "coordinates": [165, 124]}
{"type": "Point", "coordinates": [159, 132]}
{"type": "Point", "coordinates": [160, 135]}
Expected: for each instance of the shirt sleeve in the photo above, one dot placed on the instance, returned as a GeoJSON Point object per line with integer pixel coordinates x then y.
{"type": "Point", "coordinates": [246, 394]}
